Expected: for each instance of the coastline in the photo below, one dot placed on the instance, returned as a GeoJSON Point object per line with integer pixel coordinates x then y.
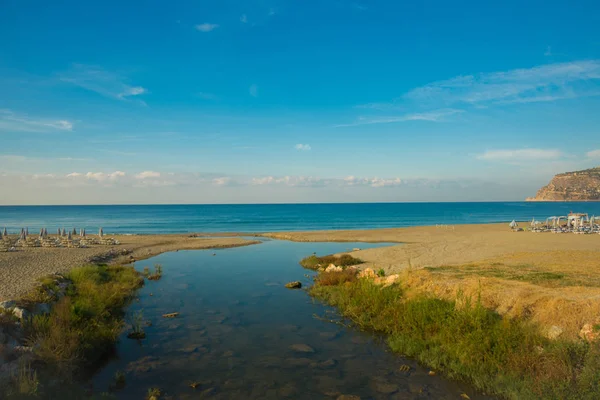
{"type": "Point", "coordinates": [518, 274]}
{"type": "Point", "coordinates": [21, 270]}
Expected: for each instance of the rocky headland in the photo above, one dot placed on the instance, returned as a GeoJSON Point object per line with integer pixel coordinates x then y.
{"type": "Point", "coordinates": [571, 186]}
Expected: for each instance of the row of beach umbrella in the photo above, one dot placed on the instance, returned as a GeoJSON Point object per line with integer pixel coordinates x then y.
{"type": "Point", "coordinates": [44, 233]}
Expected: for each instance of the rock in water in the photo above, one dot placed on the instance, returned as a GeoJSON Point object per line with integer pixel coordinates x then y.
{"type": "Point", "coordinates": [294, 285]}
{"type": "Point", "coordinates": [302, 348]}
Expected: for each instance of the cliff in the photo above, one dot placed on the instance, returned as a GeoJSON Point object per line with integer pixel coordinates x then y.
{"type": "Point", "coordinates": [571, 186]}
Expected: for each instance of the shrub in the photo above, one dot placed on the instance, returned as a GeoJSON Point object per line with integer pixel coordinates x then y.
{"type": "Point", "coordinates": [508, 357]}
{"type": "Point", "coordinates": [381, 273]}
{"type": "Point", "coordinates": [314, 262]}
{"type": "Point", "coordinates": [333, 278]}
{"type": "Point", "coordinates": [157, 273]}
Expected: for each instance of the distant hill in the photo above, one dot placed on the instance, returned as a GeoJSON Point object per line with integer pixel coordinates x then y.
{"type": "Point", "coordinates": [571, 186]}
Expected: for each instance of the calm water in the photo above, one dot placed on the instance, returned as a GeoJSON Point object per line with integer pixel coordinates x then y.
{"type": "Point", "coordinates": [274, 217]}
{"type": "Point", "coordinates": [236, 329]}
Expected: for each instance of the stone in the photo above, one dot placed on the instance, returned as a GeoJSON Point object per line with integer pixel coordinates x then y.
{"type": "Point", "coordinates": [554, 332]}
{"type": "Point", "coordinates": [7, 305]}
{"type": "Point", "coordinates": [302, 348]}
{"type": "Point", "coordinates": [384, 387]}
{"type": "Point", "coordinates": [330, 363]}
{"type": "Point", "coordinates": [367, 273]}
{"type": "Point", "coordinates": [42, 308]}
{"type": "Point", "coordinates": [20, 313]}
{"type": "Point", "coordinates": [328, 335]}
{"type": "Point", "coordinates": [348, 397]}
{"type": "Point", "coordinates": [333, 268]}
{"type": "Point", "coordinates": [294, 285]}
{"type": "Point", "coordinates": [589, 333]}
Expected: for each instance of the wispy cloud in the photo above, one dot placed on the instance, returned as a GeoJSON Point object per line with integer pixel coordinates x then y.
{"type": "Point", "coordinates": [253, 90]}
{"type": "Point", "coordinates": [593, 154]}
{"type": "Point", "coordinates": [206, 27]}
{"type": "Point", "coordinates": [13, 122]}
{"type": "Point", "coordinates": [431, 116]}
{"type": "Point", "coordinates": [302, 147]}
{"type": "Point", "coordinates": [103, 82]}
{"type": "Point", "coordinates": [543, 83]}
{"type": "Point", "coordinates": [244, 19]}
{"type": "Point", "coordinates": [520, 155]}
{"type": "Point", "coordinates": [147, 174]}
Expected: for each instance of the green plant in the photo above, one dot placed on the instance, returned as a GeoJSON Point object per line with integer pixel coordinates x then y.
{"type": "Point", "coordinates": [507, 357]}
{"type": "Point", "coordinates": [381, 272]}
{"type": "Point", "coordinates": [119, 380]}
{"type": "Point", "coordinates": [137, 322]}
{"type": "Point", "coordinates": [157, 273]}
{"type": "Point", "coordinates": [26, 382]}
{"type": "Point", "coordinates": [146, 272]}
{"type": "Point", "coordinates": [153, 394]}
{"type": "Point", "coordinates": [314, 262]}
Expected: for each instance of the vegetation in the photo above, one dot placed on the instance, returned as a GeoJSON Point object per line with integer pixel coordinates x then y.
{"type": "Point", "coordinates": [523, 273]}
{"type": "Point", "coordinates": [468, 342]}
{"type": "Point", "coordinates": [137, 322]}
{"type": "Point", "coordinates": [157, 273]}
{"type": "Point", "coordinates": [83, 326]}
{"type": "Point", "coordinates": [153, 394]}
{"type": "Point", "coordinates": [314, 262]}
{"type": "Point", "coordinates": [381, 273]}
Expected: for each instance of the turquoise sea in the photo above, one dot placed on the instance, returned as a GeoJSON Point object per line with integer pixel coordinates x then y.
{"type": "Point", "coordinates": [276, 217]}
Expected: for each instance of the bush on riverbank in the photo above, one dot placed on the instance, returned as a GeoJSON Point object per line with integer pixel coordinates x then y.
{"type": "Point", "coordinates": [84, 325]}
{"type": "Point", "coordinates": [345, 260]}
{"type": "Point", "coordinates": [468, 342]}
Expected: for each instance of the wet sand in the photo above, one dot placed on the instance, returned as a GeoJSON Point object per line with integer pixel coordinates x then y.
{"type": "Point", "coordinates": [21, 269]}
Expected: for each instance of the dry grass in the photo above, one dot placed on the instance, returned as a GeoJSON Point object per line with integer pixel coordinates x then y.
{"type": "Point", "coordinates": [314, 262]}
{"type": "Point", "coordinates": [333, 278]}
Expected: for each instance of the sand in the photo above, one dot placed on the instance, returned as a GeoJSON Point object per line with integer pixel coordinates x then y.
{"type": "Point", "coordinates": [512, 271]}
{"type": "Point", "coordinates": [550, 279]}
{"type": "Point", "coordinates": [20, 270]}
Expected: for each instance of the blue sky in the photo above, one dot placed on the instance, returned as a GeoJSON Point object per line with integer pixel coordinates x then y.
{"type": "Point", "coordinates": [294, 101]}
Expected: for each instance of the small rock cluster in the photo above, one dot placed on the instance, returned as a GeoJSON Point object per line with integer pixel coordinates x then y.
{"type": "Point", "coordinates": [368, 273]}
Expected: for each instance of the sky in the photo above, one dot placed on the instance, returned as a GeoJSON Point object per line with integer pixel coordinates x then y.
{"type": "Point", "coordinates": [271, 101]}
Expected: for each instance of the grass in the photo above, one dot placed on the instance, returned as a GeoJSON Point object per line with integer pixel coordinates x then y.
{"type": "Point", "coordinates": [157, 273]}
{"type": "Point", "coordinates": [83, 326]}
{"type": "Point", "coordinates": [461, 338]}
{"type": "Point", "coordinates": [137, 322]}
{"type": "Point", "coordinates": [522, 272]}
{"type": "Point", "coordinates": [345, 260]}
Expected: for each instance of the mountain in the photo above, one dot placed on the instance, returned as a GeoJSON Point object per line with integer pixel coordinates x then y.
{"type": "Point", "coordinates": [571, 186]}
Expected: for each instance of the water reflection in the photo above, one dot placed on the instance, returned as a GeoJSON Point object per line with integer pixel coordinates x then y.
{"type": "Point", "coordinates": [241, 335]}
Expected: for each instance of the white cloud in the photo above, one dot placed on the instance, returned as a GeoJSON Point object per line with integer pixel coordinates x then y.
{"type": "Point", "coordinates": [105, 83]}
{"type": "Point", "coordinates": [593, 154]}
{"type": "Point", "coordinates": [520, 155]}
{"type": "Point", "coordinates": [431, 116]}
{"type": "Point", "coordinates": [302, 147]}
{"type": "Point", "coordinates": [97, 176]}
{"type": "Point", "coordinates": [147, 175]}
{"type": "Point", "coordinates": [206, 27]}
{"type": "Point", "coordinates": [253, 90]}
{"type": "Point", "coordinates": [244, 18]}
{"type": "Point", "coordinates": [221, 181]}
{"type": "Point", "coordinates": [543, 83]}
{"type": "Point", "coordinates": [11, 121]}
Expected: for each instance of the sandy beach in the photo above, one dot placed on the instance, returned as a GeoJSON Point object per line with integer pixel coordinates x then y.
{"type": "Point", "coordinates": [20, 270]}
{"type": "Point", "coordinates": [524, 274]}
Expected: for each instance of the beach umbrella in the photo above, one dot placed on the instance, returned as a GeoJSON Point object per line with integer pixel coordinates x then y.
{"type": "Point", "coordinates": [26, 231]}
{"type": "Point", "coordinates": [532, 222]}
{"type": "Point", "coordinates": [45, 232]}
{"type": "Point", "coordinates": [70, 237]}
{"type": "Point", "coordinates": [513, 224]}
{"type": "Point", "coordinates": [80, 232]}
{"type": "Point", "coordinates": [83, 233]}
{"type": "Point", "coordinates": [0, 235]}
{"type": "Point", "coordinates": [74, 232]}
{"type": "Point", "coordinates": [100, 232]}
{"type": "Point", "coordinates": [64, 232]}
{"type": "Point", "coordinates": [58, 232]}
{"type": "Point", "coordinates": [4, 233]}
{"type": "Point", "coordinates": [41, 233]}
{"type": "Point", "coordinates": [22, 234]}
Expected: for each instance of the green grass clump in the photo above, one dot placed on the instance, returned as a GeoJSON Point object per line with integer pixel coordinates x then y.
{"type": "Point", "coordinates": [497, 355]}
{"type": "Point", "coordinates": [381, 273]}
{"type": "Point", "coordinates": [157, 273]}
{"type": "Point", "coordinates": [84, 325]}
{"type": "Point", "coordinates": [314, 262]}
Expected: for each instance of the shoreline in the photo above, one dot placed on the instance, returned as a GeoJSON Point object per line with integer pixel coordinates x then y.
{"type": "Point", "coordinates": [21, 270]}
{"type": "Point", "coordinates": [518, 274]}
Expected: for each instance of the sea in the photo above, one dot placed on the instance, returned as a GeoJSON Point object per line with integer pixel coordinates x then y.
{"type": "Point", "coordinates": [255, 218]}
